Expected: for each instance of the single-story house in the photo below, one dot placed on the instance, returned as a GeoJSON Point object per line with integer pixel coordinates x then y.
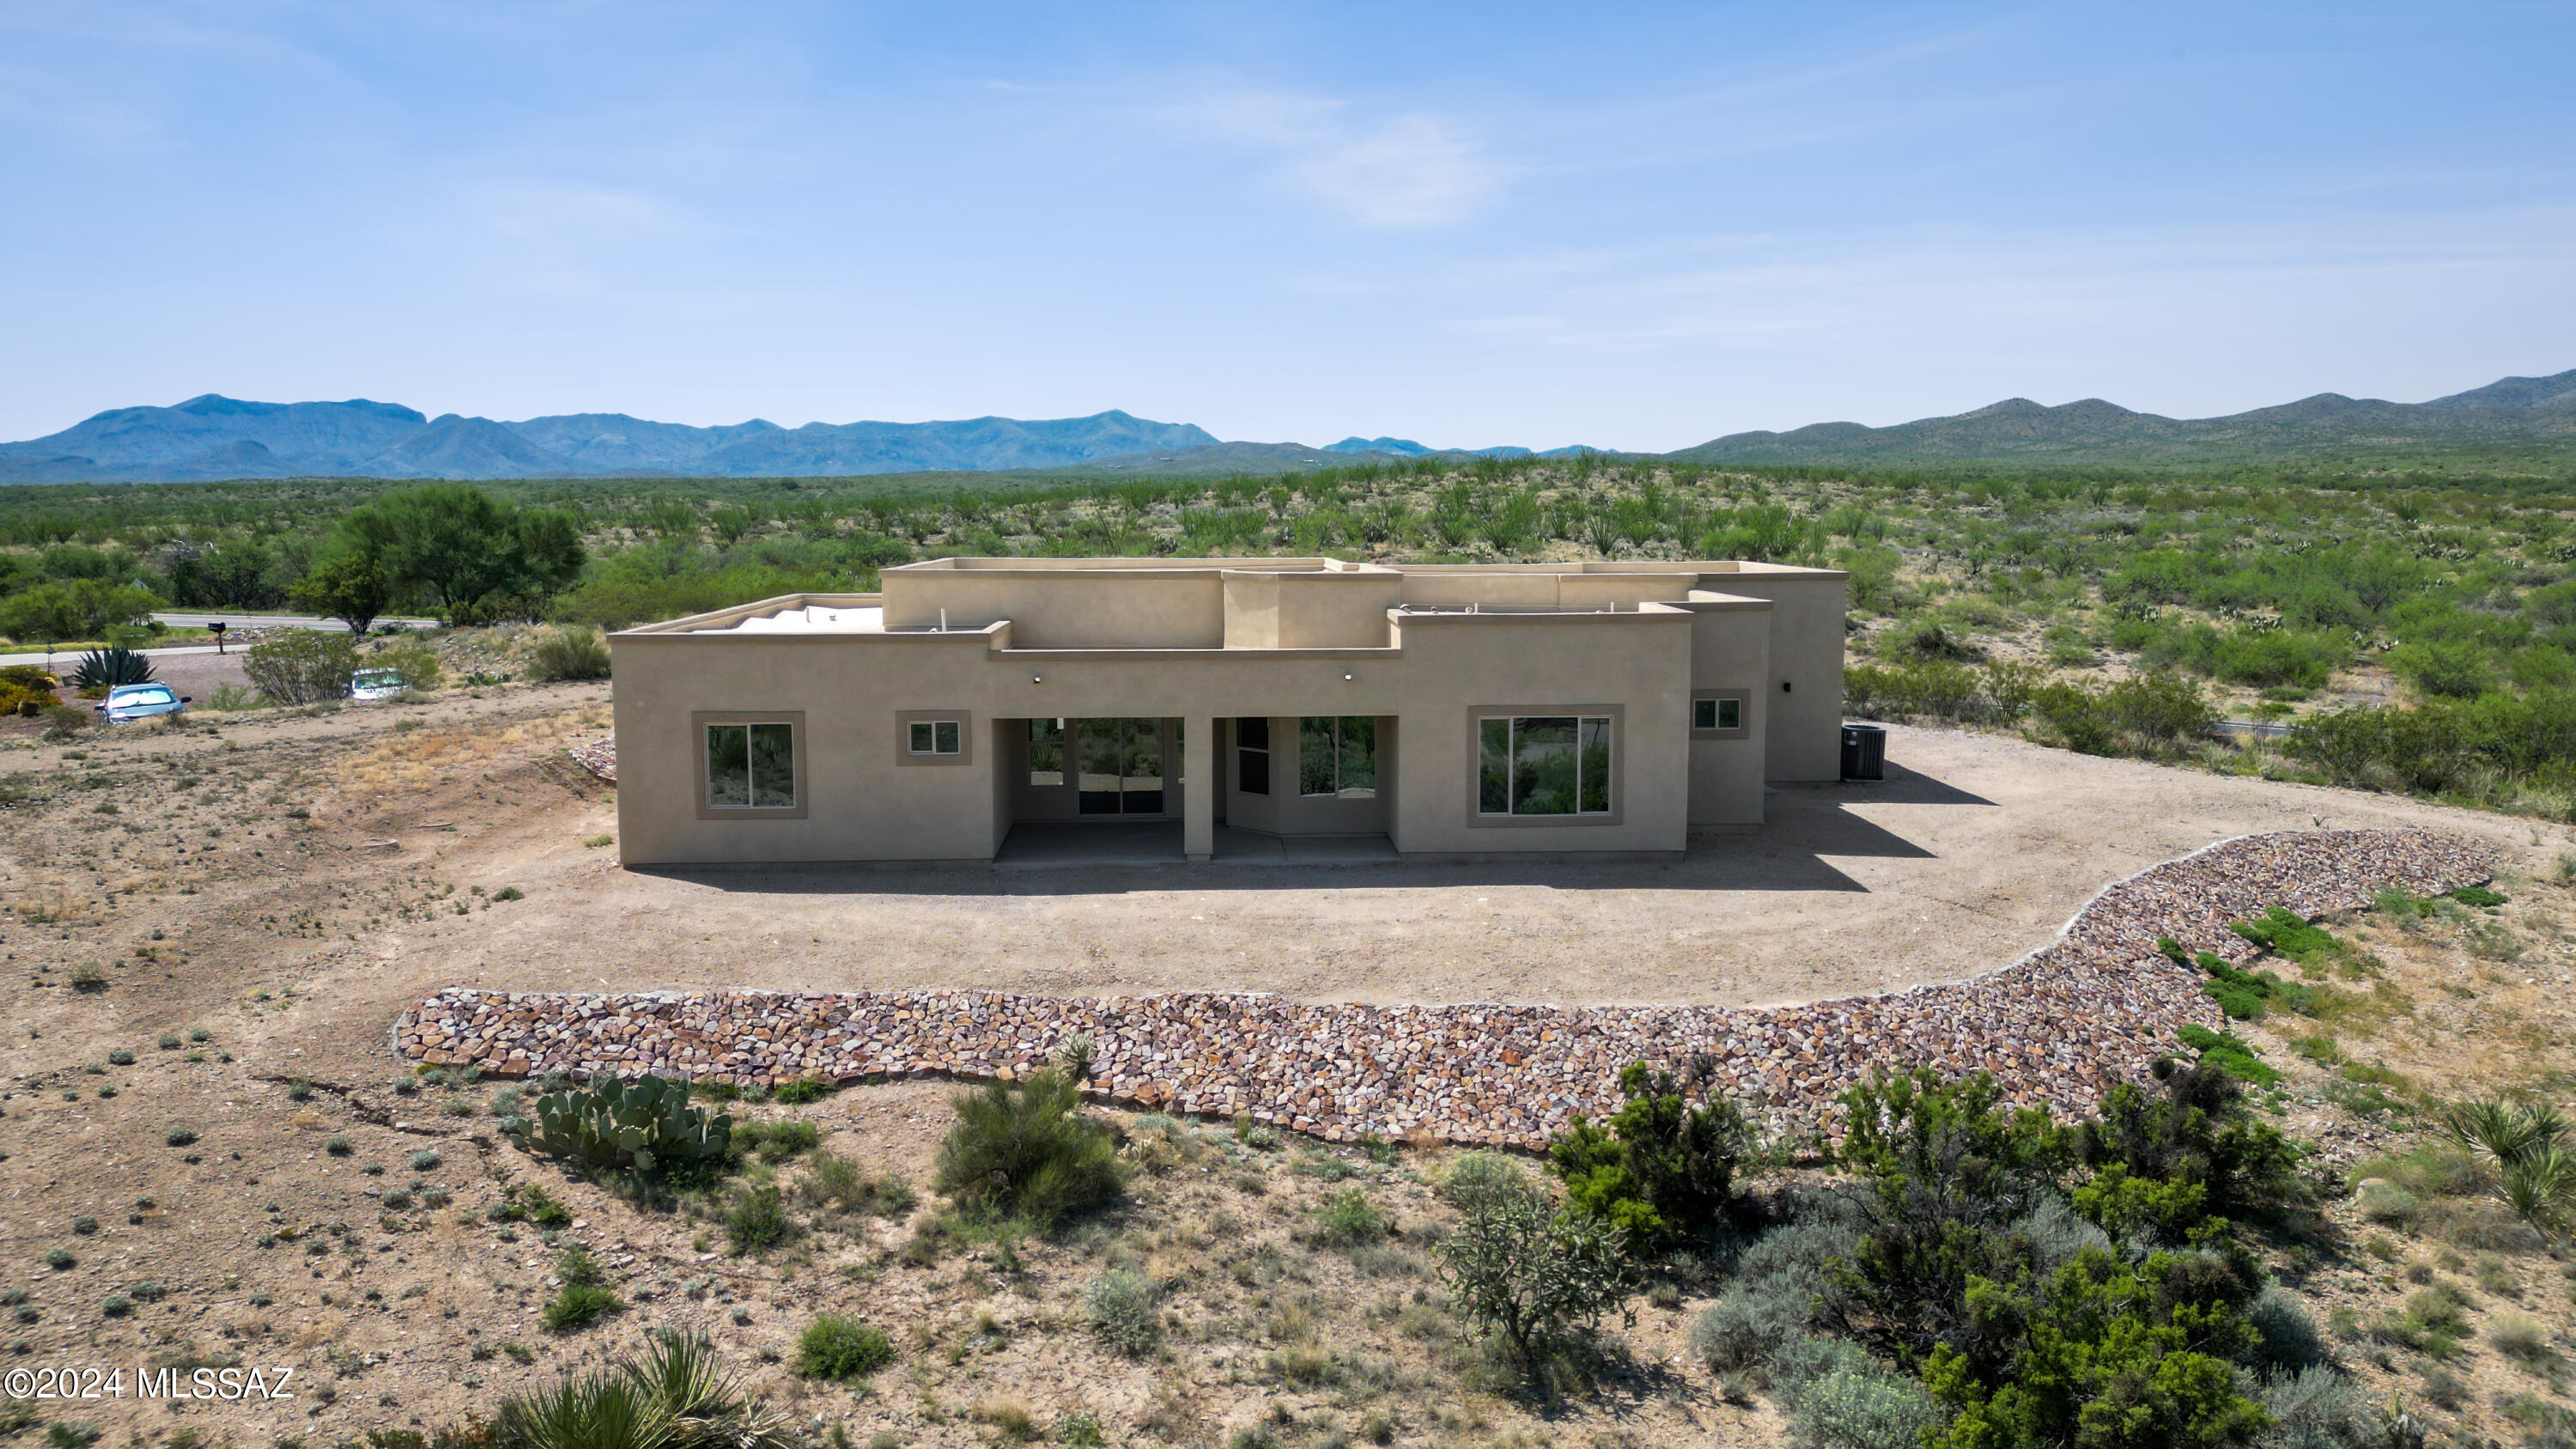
{"type": "Point", "coordinates": [1448, 710]}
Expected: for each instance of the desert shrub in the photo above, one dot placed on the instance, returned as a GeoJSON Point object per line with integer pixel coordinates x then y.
{"type": "Point", "coordinates": [2522, 1338]}
{"type": "Point", "coordinates": [755, 1222]}
{"type": "Point", "coordinates": [800, 1091]}
{"type": "Point", "coordinates": [2286, 1335]}
{"type": "Point", "coordinates": [671, 1392]}
{"type": "Point", "coordinates": [2171, 1155]}
{"type": "Point", "coordinates": [1120, 1305]}
{"type": "Point", "coordinates": [568, 654]}
{"type": "Point", "coordinates": [2388, 1204]}
{"type": "Point", "coordinates": [301, 666]}
{"type": "Point", "coordinates": [1782, 1282]}
{"type": "Point", "coordinates": [1348, 1220]}
{"type": "Point", "coordinates": [120, 1056]}
{"type": "Point", "coordinates": [1662, 1172]}
{"type": "Point", "coordinates": [63, 721]}
{"type": "Point", "coordinates": [1481, 1176]}
{"type": "Point", "coordinates": [416, 660]}
{"type": "Point", "coordinates": [579, 1304]}
{"type": "Point", "coordinates": [841, 1349]}
{"type": "Point", "coordinates": [180, 1136]}
{"type": "Point", "coordinates": [839, 1182]}
{"type": "Point", "coordinates": [1026, 1149]}
{"type": "Point", "coordinates": [777, 1142]}
{"type": "Point", "coordinates": [2229, 1053]}
{"type": "Point", "coordinates": [1863, 1408]}
{"type": "Point", "coordinates": [2317, 1408]}
{"type": "Point", "coordinates": [1539, 1279]}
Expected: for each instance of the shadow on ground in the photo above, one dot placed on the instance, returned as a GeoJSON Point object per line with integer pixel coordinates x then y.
{"type": "Point", "coordinates": [1809, 826]}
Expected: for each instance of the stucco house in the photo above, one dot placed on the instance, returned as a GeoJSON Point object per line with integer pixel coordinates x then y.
{"type": "Point", "coordinates": [1445, 710]}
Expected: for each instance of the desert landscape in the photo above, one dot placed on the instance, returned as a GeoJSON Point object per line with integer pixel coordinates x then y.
{"type": "Point", "coordinates": [215, 926]}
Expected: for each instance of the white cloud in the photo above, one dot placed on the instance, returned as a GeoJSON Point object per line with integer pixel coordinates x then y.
{"type": "Point", "coordinates": [1410, 172]}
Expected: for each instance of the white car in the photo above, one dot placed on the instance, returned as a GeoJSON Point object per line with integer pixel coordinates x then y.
{"type": "Point", "coordinates": [140, 701]}
{"type": "Point", "coordinates": [376, 684]}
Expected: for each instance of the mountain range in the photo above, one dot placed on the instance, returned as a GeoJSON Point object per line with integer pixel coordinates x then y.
{"type": "Point", "coordinates": [2531, 417]}
{"type": "Point", "coordinates": [215, 437]}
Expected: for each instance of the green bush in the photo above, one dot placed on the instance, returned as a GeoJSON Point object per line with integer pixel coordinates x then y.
{"type": "Point", "coordinates": [1482, 1176]}
{"type": "Point", "coordinates": [1347, 1220]}
{"type": "Point", "coordinates": [841, 1349]}
{"type": "Point", "coordinates": [120, 1057]}
{"type": "Point", "coordinates": [1539, 1279]}
{"type": "Point", "coordinates": [415, 659]}
{"type": "Point", "coordinates": [756, 1222]}
{"type": "Point", "coordinates": [1120, 1305]}
{"type": "Point", "coordinates": [579, 1304]}
{"type": "Point", "coordinates": [568, 654]}
{"type": "Point", "coordinates": [107, 668]}
{"type": "Point", "coordinates": [301, 666]}
{"type": "Point", "coordinates": [1027, 1150]}
{"type": "Point", "coordinates": [1863, 1408]}
{"type": "Point", "coordinates": [1662, 1172]}
{"type": "Point", "coordinates": [839, 1182]}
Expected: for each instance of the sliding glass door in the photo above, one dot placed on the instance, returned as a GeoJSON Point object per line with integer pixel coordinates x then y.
{"type": "Point", "coordinates": [1120, 766]}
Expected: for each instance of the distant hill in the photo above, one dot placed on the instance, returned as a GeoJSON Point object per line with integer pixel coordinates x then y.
{"type": "Point", "coordinates": [214, 437]}
{"type": "Point", "coordinates": [2529, 418]}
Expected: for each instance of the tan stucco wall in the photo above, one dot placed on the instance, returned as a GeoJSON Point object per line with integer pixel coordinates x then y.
{"type": "Point", "coordinates": [1141, 639]}
{"type": "Point", "coordinates": [1804, 734]}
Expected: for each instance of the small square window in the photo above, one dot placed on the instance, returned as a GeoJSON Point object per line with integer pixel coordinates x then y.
{"type": "Point", "coordinates": [1703, 714]}
{"type": "Point", "coordinates": [1730, 713]}
{"type": "Point", "coordinates": [936, 736]}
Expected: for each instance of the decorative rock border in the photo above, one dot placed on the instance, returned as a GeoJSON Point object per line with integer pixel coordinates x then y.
{"type": "Point", "coordinates": [598, 757]}
{"type": "Point", "coordinates": [2096, 1005]}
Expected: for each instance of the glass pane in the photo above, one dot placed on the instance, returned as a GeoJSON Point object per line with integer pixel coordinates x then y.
{"type": "Point", "coordinates": [1046, 752]}
{"type": "Point", "coordinates": [728, 765]}
{"type": "Point", "coordinates": [1252, 732]}
{"type": "Point", "coordinates": [1252, 771]}
{"type": "Point", "coordinates": [1141, 783]}
{"type": "Point", "coordinates": [773, 766]}
{"type": "Point", "coordinates": [1703, 714]}
{"type": "Point", "coordinates": [1543, 765]}
{"type": "Point", "coordinates": [944, 737]}
{"type": "Point", "coordinates": [1097, 765]}
{"type": "Point", "coordinates": [1357, 753]}
{"type": "Point", "coordinates": [921, 737]}
{"type": "Point", "coordinates": [1596, 767]}
{"type": "Point", "coordinates": [1494, 767]}
{"type": "Point", "coordinates": [1730, 713]}
{"type": "Point", "coordinates": [1315, 755]}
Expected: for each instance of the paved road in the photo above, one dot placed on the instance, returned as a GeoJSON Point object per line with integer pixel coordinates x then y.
{"type": "Point", "coordinates": [68, 657]}
{"type": "Point", "coordinates": [179, 619]}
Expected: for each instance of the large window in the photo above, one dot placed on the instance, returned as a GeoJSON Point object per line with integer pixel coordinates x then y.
{"type": "Point", "coordinates": [1337, 756]}
{"type": "Point", "coordinates": [1543, 765]}
{"type": "Point", "coordinates": [751, 767]}
{"type": "Point", "coordinates": [1046, 752]}
{"type": "Point", "coordinates": [1252, 755]}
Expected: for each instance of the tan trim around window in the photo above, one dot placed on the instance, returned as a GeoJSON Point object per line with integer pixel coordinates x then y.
{"type": "Point", "coordinates": [1618, 715]}
{"type": "Point", "coordinates": [794, 719]}
{"type": "Point", "coordinates": [905, 719]}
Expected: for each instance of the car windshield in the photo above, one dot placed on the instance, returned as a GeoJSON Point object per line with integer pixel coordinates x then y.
{"type": "Point", "coordinates": [148, 694]}
{"type": "Point", "coordinates": [377, 678]}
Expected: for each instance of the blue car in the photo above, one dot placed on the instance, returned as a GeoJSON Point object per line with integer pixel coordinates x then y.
{"type": "Point", "coordinates": [140, 701]}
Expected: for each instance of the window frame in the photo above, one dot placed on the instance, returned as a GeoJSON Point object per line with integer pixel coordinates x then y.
{"type": "Point", "coordinates": [700, 721]}
{"type": "Point", "coordinates": [905, 719]}
{"type": "Point", "coordinates": [1742, 699]}
{"type": "Point", "coordinates": [1616, 715]}
{"type": "Point", "coordinates": [1337, 735]}
{"type": "Point", "coordinates": [1063, 746]}
{"type": "Point", "coordinates": [1241, 787]}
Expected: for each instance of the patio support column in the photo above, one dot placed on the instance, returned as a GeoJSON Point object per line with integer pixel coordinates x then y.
{"type": "Point", "coordinates": [1199, 787]}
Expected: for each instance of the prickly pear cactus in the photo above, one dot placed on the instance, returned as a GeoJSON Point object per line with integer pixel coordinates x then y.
{"type": "Point", "coordinates": [646, 1124]}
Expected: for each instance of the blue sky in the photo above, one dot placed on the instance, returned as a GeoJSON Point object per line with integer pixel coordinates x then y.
{"type": "Point", "coordinates": [1630, 226]}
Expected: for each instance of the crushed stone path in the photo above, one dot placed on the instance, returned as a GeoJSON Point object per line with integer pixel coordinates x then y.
{"type": "Point", "coordinates": [2097, 1005]}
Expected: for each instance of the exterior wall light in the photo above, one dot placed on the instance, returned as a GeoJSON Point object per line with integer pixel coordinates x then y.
{"type": "Point", "coordinates": [1037, 679]}
{"type": "Point", "coordinates": [1347, 676]}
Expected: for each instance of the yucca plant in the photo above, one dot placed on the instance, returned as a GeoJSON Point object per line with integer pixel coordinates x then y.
{"type": "Point", "coordinates": [672, 1394]}
{"type": "Point", "coordinates": [2540, 1186]}
{"type": "Point", "coordinates": [105, 668]}
{"type": "Point", "coordinates": [2502, 1133]}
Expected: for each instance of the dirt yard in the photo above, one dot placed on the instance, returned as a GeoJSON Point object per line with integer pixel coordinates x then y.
{"type": "Point", "coordinates": [202, 920]}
